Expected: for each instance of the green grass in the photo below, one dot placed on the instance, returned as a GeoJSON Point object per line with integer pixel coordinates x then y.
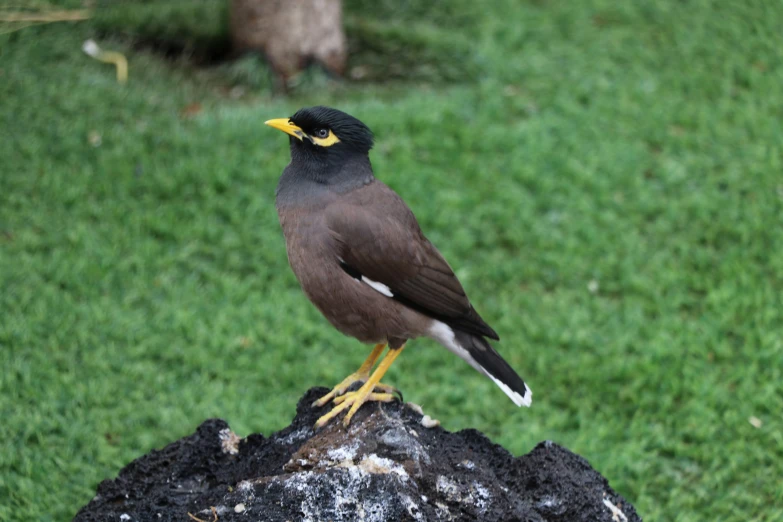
{"type": "Point", "coordinates": [606, 178]}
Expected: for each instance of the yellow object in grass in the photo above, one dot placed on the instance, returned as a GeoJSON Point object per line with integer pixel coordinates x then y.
{"type": "Point", "coordinates": [91, 48]}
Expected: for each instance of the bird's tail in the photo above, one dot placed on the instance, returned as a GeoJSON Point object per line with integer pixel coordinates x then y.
{"type": "Point", "coordinates": [477, 352]}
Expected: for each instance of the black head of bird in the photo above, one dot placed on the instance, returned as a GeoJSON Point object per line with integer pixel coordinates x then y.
{"type": "Point", "coordinates": [328, 147]}
{"type": "Point", "coordinates": [325, 134]}
{"type": "Point", "coordinates": [361, 258]}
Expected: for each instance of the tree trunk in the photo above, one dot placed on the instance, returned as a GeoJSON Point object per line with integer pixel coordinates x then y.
{"type": "Point", "coordinates": [291, 33]}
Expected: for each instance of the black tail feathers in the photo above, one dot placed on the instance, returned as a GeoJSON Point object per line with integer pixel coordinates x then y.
{"type": "Point", "coordinates": [489, 362]}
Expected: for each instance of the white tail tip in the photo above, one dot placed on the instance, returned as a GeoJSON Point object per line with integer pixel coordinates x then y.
{"type": "Point", "coordinates": [518, 399]}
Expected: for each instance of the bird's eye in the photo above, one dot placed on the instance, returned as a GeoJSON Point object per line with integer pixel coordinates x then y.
{"type": "Point", "coordinates": [321, 133]}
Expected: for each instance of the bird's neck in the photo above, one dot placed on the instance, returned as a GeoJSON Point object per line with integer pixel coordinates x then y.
{"type": "Point", "coordinates": [307, 177]}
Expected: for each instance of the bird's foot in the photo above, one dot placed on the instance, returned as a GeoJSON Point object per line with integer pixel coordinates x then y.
{"type": "Point", "coordinates": [339, 391]}
{"type": "Point", "coordinates": [391, 390]}
{"type": "Point", "coordinates": [367, 391]}
{"type": "Point", "coordinates": [341, 388]}
{"type": "Point", "coordinates": [354, 401]}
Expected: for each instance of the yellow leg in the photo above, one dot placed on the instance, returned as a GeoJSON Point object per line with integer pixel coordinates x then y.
{"type": "Point", "coordinates": [366, 393]}
{"type": "Point", "coordinates": [360, 375]}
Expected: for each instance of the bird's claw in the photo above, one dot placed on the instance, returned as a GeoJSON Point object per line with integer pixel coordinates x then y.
{"type": "Point", "coordinates": [341, 388]}
{"type": "Point", "coordinates": [339, 391]}
{"type": "Point", "coordinates": [354, 400]}
{"type": "Point", "coordinates": [391, 390]}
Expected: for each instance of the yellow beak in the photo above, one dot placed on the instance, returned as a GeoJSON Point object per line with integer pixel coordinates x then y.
{"type": "Point", "coordinates": [285, 125]}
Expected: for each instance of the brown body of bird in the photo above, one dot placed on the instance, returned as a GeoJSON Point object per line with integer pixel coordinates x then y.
{"type": "Point", "coordinates": [362, 259]}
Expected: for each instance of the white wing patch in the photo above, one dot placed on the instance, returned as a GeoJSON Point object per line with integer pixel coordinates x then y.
{"type": "Point", "coordinates": [382, 288]}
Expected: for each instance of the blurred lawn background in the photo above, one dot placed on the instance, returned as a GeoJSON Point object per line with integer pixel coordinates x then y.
{"type": "Point", "coordinates": [605, 177]}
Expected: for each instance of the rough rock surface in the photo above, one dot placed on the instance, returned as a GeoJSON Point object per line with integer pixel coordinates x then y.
{"type": "Point", "coordinates": [386, 466]}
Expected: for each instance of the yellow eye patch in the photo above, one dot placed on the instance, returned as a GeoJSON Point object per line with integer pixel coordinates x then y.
{"type": "Point", "coordinates": [328, 141]}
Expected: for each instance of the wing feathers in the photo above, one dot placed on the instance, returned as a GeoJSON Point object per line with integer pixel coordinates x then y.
{"type": "Point", "coordinates": [386, 246]}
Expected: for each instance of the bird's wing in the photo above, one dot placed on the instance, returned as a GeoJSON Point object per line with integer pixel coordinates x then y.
{"type": "Point", "coordinates": [379, 241]}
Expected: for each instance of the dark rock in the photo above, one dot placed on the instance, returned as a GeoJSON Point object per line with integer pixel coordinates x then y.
{"type": "Point", "coordinates": [386, 466]}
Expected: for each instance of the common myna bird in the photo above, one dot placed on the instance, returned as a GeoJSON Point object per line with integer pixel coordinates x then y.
{"type": "Point", "coordinates": [361, 258]}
